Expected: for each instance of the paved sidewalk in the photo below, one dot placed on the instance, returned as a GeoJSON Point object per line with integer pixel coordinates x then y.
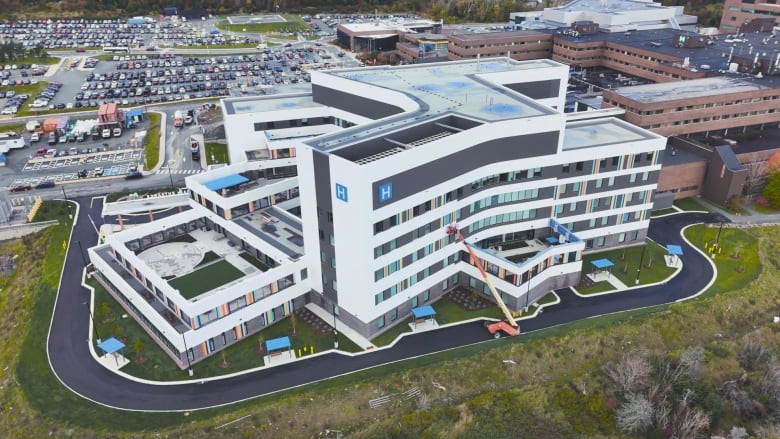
{"type": "Point", "coordinates": [613, 280]}
{"type": "Point", "coordinates": [753, 217]}
{"type": "Point", "coordinates": [341, 327]}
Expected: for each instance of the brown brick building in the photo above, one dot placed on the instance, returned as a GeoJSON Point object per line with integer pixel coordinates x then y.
{"type": "Point", "coordinates": [737, 12]}
{"type": "Point", "coordinates": [519, 45]}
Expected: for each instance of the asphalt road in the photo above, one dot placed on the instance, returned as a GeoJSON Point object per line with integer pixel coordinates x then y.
{"type": "Point", "coordinates": [72, 362]}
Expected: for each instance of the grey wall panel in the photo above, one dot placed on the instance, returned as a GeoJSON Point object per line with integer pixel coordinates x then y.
{"type": "Point", "coordinates": [352, 103]}
{"type": "Point", "coordinates": [419, 178]}
{"type": "Point", "coordinates": [537, 89]}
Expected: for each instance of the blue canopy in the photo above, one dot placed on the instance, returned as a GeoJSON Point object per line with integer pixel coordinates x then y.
{"type": "Point", "coordinates": [674, 249]}
{"type": "Point", "coordinates": [551, 239]}
{"type": "Point", "coordinates": [226, 181]}
{"type": "Point", "coordinates": [423, 311]}
{"type": "Point", "coordinates": [215, 32]}
{"type": "Point", "coordinates": [278, 343]}
{"type": "Point", "coordinates": [602, 263]}
{"type": "Point", "coordinates": [111, 345]}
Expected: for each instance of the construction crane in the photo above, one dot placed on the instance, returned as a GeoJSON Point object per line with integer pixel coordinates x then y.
{"type": "Point", "coordinates": [509, 325]}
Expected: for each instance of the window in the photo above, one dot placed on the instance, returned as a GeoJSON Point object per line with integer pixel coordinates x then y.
{"type": "Point", "coordinates": [645, 176]}
{"type": "Point", "coordinates": [592, 223]}
{"type": "Point", "coordinates": [611, 181]}
{"type": "Point", "coordinates": [572, 207]}
{"type": "Point", "coordinates": [632, 178]}
{"type": "Point", "coordinates": [566, 168]}
{"type": "Point", "coordinates": [414, 302]}
{"type": "Point", "coordinates": [600, 241]}
{"type": "Point", "coordinates": [333, 262]}
{"type": "Point", "coordinates": [304, 273]}
{"type": "Point", "coordinates": [380, 322]}
{"type": "Point", "coordinates": [379, 274]}
{"type": "Point", "coordinates": [634, 235]}
{"type": "Point", "coordinates": [224, 339]}
{"type": "Point", "coordinates": [579, 166]}
{"type": "Point", "coordinates": [599, 182]}
{"type": "Point", "coordinates": [334, 285]}
{"type": "Point", "coordinates": [621, 237]}
{"type": "Point", "coordinates": [394, 314]}
{"type": "Point", "coordinates": [604, 220]}
{"type": "Point", "coordinates": [615, 161]}
{"type": "Point", "coordinates": [427, 294]}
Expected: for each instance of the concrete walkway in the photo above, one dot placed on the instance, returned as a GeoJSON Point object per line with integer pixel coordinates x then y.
{"type": "Point", "coordinates": [341, 327]}
{"type": "Point", "coordinates": [606, 276]}
{"type": "Point", "coordinates": [753, 217]}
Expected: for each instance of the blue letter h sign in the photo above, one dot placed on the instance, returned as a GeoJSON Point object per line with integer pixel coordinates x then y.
{"type": "Point", "coordinates": [341, 193]}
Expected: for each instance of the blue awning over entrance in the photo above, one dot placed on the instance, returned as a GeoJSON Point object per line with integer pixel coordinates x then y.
{"type": "Point", "coordinates": [551, 239]}
{"type": "Point", "coordinates": [225, 182]}
{"type": "Point", "coordinates": [111, 345]}
{"type": "Point", "coordinates": [602, 263]}
{"type": "Point", "coordinates": [674, 249]}
{"type": "Point", "coordinates": [423, 311]}
{"type": "Point", "coordinates": [278, 343]}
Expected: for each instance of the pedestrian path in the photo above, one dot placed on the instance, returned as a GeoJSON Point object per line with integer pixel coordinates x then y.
{"type": "Point", "coordinates": [178, 171]}
{"type": "Point", "coordinates": [606, 276]}
{"type": "Point", "coordinates": [341, 327]}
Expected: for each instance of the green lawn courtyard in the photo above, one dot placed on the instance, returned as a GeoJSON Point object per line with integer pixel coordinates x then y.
{"type": "Point", "coordinates": [206, 279]}
{"type": "Point", "coordinates": [626, 262]}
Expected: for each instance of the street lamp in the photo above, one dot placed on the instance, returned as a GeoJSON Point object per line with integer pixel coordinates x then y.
{"type": "Point", "coordinates": [528, 293]}
{"type": "Point", "coordinates": [335, 331]}
{"type": "Point", "coordinates": [92, 319]}
{"type": "Point", "coordinates": [187, 354]}
{"type": "Point", "coordinates": [717, 241]}
{"type": "Point", "coordinates": [639, 268]}
{"type": "Point", "coordinates": [170, 176]}
{"type": "Point", "coordinates": [67, 203]}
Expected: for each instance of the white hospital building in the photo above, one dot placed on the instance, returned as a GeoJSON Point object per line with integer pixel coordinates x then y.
{"type": "Point", "coordinates": [341, 197]}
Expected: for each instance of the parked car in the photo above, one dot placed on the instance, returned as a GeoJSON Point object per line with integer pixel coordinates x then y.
{"type": "Point", "coordinates": [35, 137]}
{"type": "Point", "coordinates": [106, 134]}
{"type": "Point", "coordinates": [20, 188]}
{"type": "Point", "coordinates": [45, 184]}
{"type": "Point", "coordinates": [98, 172]}
{"type": "Point", "coordinates": [134, 175]}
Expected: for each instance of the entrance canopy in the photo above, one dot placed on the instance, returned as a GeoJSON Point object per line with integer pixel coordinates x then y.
{"type": "Point", "coordinates": [278, 343]}
{"type": "Point", "coordinates": [111, 346]}
{"type": "Point", "coordinates": [602, 263]}
{"type": "Point", "coordinates": [423, 311]}
{"type": "Point", "coordinates": [674, 250]}
{"type": "Point", "coordinates": [225, 182]}
{"type": "Point", "coordinates": [551, 239]}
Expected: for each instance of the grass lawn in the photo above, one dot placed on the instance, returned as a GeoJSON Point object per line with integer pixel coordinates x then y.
{"type": "Point", "coordinates": [764, 209]}
{"type": "Point", "coordinates": [216, 153]}
{"type": "Point", "coordinates": [663, 212]}
{"type": "Point", "coordinates": [17, 128]}
{"type": "Point", "coordinates": [598, 287]}
{"type": "Point", "coordinates": [448, 311]}
{"type": "Point", "coordinates": [206, 279]}
{"type": "Point", "coordinates": [158, 366]}
{"type": "Point", "coordinates": [690, 204]}
{"type": "Point", "coordinates": [252, 260]}
{"type": "Point", "coordinates": [626, 262]}
{"type": "Point", "coordinates": [293, 24]}
{"type": "Point", "coordinates": [49, 60]}
{"type": "Point", "coordinates": [31, 89]}
{"type": "Point", "coordinates": [152, 149]}
{"type": "Point", "coordinates": [737, 262]}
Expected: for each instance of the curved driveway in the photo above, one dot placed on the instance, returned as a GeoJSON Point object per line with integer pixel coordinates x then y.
{"type": "Point", "coordinates": [73, 364]}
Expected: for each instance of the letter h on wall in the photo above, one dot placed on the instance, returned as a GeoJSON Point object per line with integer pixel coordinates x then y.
{"type": "Point", "coordinates": [341, 193]}
{"type": "Point", "coordinates": [385, 192]}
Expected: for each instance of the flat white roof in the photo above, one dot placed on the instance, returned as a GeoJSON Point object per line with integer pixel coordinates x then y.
{"type": "Point", "coordinates": [602, 132]}
{"type": "Point", "coordinates": [690, 89]}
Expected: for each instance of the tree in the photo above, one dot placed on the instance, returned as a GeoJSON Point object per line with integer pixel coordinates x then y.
{"type": "Point", "coordinates": [772, 189]}
{"type": "Point", "coordinates": [635, 414]}
{"type": "Point", "coordinates": [756, 173]}
{"type": "Point", "coordinates": [630, 373]}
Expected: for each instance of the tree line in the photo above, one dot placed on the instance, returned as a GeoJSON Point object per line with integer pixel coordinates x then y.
{"type": "Point", "coordinates": [11, 51]}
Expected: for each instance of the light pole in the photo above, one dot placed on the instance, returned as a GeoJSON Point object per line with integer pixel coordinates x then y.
{"type": "Point", "coordinates": [67, 203]}
{"type": "Point", "coordinates": [187, 354]}
{"type": "Point", "coordinates": [639, 268]}
{"type": "Point", "coordinates": [81, 251]}
{"type": "Point", "coordinates": [335, 331]}
{"type": "Point", "coordinates": [92, 319]}
{"type": "Point", "coordinates": [717, 241]}
{"type": "Point", "coordinates": [528, 293]}
{"type": "Point", "coordinates": [170, 176]}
